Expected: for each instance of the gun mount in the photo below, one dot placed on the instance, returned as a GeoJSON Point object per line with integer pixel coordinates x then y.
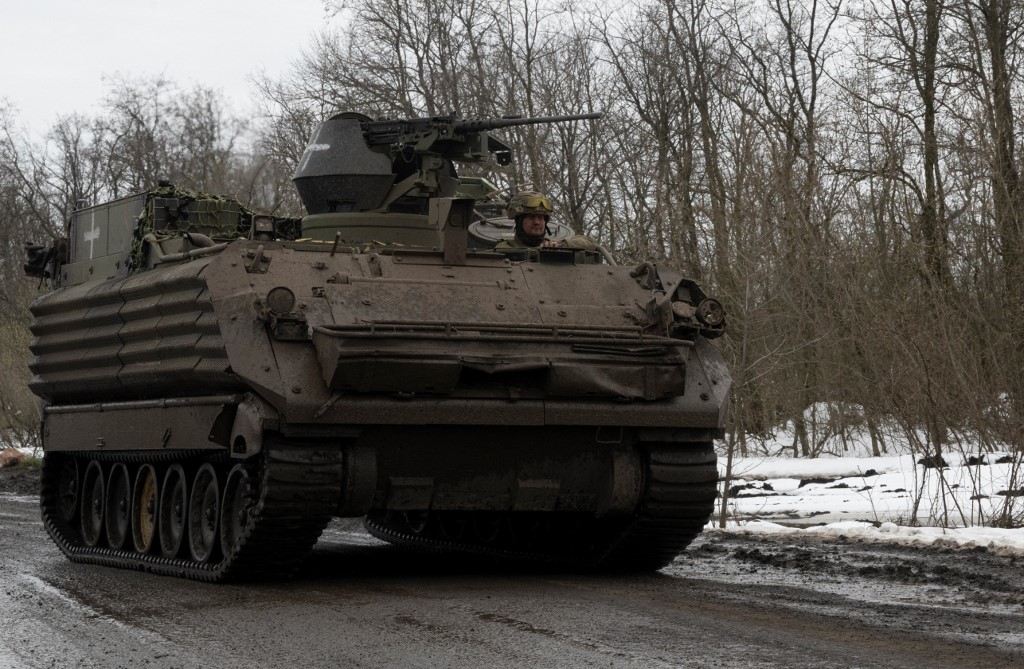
{"type": "Point", "coordinates": [355, 164]}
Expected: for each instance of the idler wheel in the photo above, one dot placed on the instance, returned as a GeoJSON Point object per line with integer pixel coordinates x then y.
{"type": "Point", "coordinates": [119, 497]}
{"type": "Point", "coordinates": [67, 489]}
{"type": "Point", "coordinates": [92, 504]}
{"type": "Point", "coordinates": [235, 510]}
{"type": "Point", "coordinates": [144, 499]}
{"type": "Point", "coordinates": [171, 514]}
{"type": "Point", "coordinates": [203, 513]}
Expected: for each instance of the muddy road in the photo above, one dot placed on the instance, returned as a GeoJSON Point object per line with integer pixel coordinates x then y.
{"type": "Point", "coordinates": [731, 601]}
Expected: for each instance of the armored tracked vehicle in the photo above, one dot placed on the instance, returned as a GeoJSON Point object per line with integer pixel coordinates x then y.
{"type": "Point", "coordinates": [218, 385]}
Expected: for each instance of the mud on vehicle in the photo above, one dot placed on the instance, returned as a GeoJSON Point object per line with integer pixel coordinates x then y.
{"type": "Point", "coordinates": [217, 385]}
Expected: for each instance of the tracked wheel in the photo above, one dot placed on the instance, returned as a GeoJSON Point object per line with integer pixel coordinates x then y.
{"type": "Point", "coordinates": [68, 486]}
{"type": "Point", "coordinates": [203, 514]}
{"type": "Point", "coordinates": [172, 507]}
{"type": "Point", "coordinates": [118, 505]}
{"type": "Point", "coordinates": [235, 509]}
{"type": "Point", "coordinates": [93, 501]}
{"type": "Point", "coordinates": [144, 508]}
{"type": "Point", "coordinates": [279, 501]}
{"type": "Point", "coordinates": [680, 485]}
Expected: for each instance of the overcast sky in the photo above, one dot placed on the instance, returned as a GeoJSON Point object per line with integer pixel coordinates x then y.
{"type": "Point", "coordinates": [55, 53]}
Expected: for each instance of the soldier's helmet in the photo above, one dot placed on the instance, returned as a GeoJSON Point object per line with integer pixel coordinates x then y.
{"type": "Point", "coordinates": [529, 202]}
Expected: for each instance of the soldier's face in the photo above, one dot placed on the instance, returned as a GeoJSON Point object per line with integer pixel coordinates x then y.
{"type": "Point", "coordinates": [533, 224]}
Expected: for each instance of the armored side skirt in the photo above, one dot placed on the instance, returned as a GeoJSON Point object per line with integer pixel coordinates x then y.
{"type": "Point", "coordinates": [191, 423]}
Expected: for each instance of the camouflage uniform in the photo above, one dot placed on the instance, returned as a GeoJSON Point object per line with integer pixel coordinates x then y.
{"type": "Point", "coordinates": [578, 242]}
{"type": "Point", "coordinates": [537, 204]}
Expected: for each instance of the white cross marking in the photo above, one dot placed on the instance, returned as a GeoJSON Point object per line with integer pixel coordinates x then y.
{"type": "Point", "coordinates": [92, 235]}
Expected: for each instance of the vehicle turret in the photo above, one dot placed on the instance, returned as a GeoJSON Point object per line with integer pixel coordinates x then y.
{"type": "Point", "coordinates": [354, 170]}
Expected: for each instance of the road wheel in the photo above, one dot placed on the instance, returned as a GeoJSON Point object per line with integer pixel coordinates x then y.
{"type": "Point", "coordinates": [68, 489]}
{"type": "Point", "coordinates": [93, 499]}
{"type": "Point", "coordinates": [119, 498]}
{"type": "Point", "coordinates": [144, 505]}
{"type": "Point", "coordinates": [235, 509]}
{"type": "Point", "coordinates": [204, 511]}
{"type": "Point", "coordinates": [172, 507]}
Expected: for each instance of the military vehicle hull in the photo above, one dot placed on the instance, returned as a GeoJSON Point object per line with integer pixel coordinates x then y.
{"type": "Point", "coordinates": [217, 385]}
{"type": "Point", "coordinates": [207, 417]}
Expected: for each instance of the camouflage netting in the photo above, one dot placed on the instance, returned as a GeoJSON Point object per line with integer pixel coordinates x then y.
{"type": "Point", "coordinates": [172, 212]}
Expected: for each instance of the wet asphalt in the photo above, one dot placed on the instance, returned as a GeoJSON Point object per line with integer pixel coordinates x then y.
{"type": "Point", "coordinates": [729, 602]}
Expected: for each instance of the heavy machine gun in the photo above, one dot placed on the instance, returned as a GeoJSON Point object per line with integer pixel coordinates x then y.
{"type": "Point", "coordinates": [355, 164]}
{"type": "Point", "coordinates": [463, 138]}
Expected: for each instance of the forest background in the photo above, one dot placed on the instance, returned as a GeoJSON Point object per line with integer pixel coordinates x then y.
{"type": "Point", "coordinates": [843, 175]}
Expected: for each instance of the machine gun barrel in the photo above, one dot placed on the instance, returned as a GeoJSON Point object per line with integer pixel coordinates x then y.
{"type": "Point", "coordinates": [471, 125]}
{"type": "Point", "coordinates": [411, 130]}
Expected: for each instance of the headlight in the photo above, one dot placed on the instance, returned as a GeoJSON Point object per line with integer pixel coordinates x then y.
{"type": "Point", "coordinates": [710, 312]}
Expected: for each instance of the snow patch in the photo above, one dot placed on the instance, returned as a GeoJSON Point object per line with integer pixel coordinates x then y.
{"type": "Point", "coordinates": [1000, 541]}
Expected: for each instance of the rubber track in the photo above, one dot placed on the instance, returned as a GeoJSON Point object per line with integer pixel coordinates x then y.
{"type": "Point", "coordinates": [678, 501]}
{"type": "Point", "coordinates": [680, 498]}
{"type": "Point", "coordinates": [300, 485]}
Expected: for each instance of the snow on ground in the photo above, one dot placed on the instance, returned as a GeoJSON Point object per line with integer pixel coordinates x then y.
{"type": "Point", "coordinates": [890, 498]}
{"type": "Point", "coordinates": [879, 490]}
{"type": "Point", "coordinates": [1000, 541]}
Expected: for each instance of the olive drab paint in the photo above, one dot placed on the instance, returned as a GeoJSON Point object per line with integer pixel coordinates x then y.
{"type": "Point", "coordinates": [218, 384]}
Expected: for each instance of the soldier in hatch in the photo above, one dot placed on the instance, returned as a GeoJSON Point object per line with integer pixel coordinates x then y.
{"type": "Point", "coordinates": [532, 211]}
